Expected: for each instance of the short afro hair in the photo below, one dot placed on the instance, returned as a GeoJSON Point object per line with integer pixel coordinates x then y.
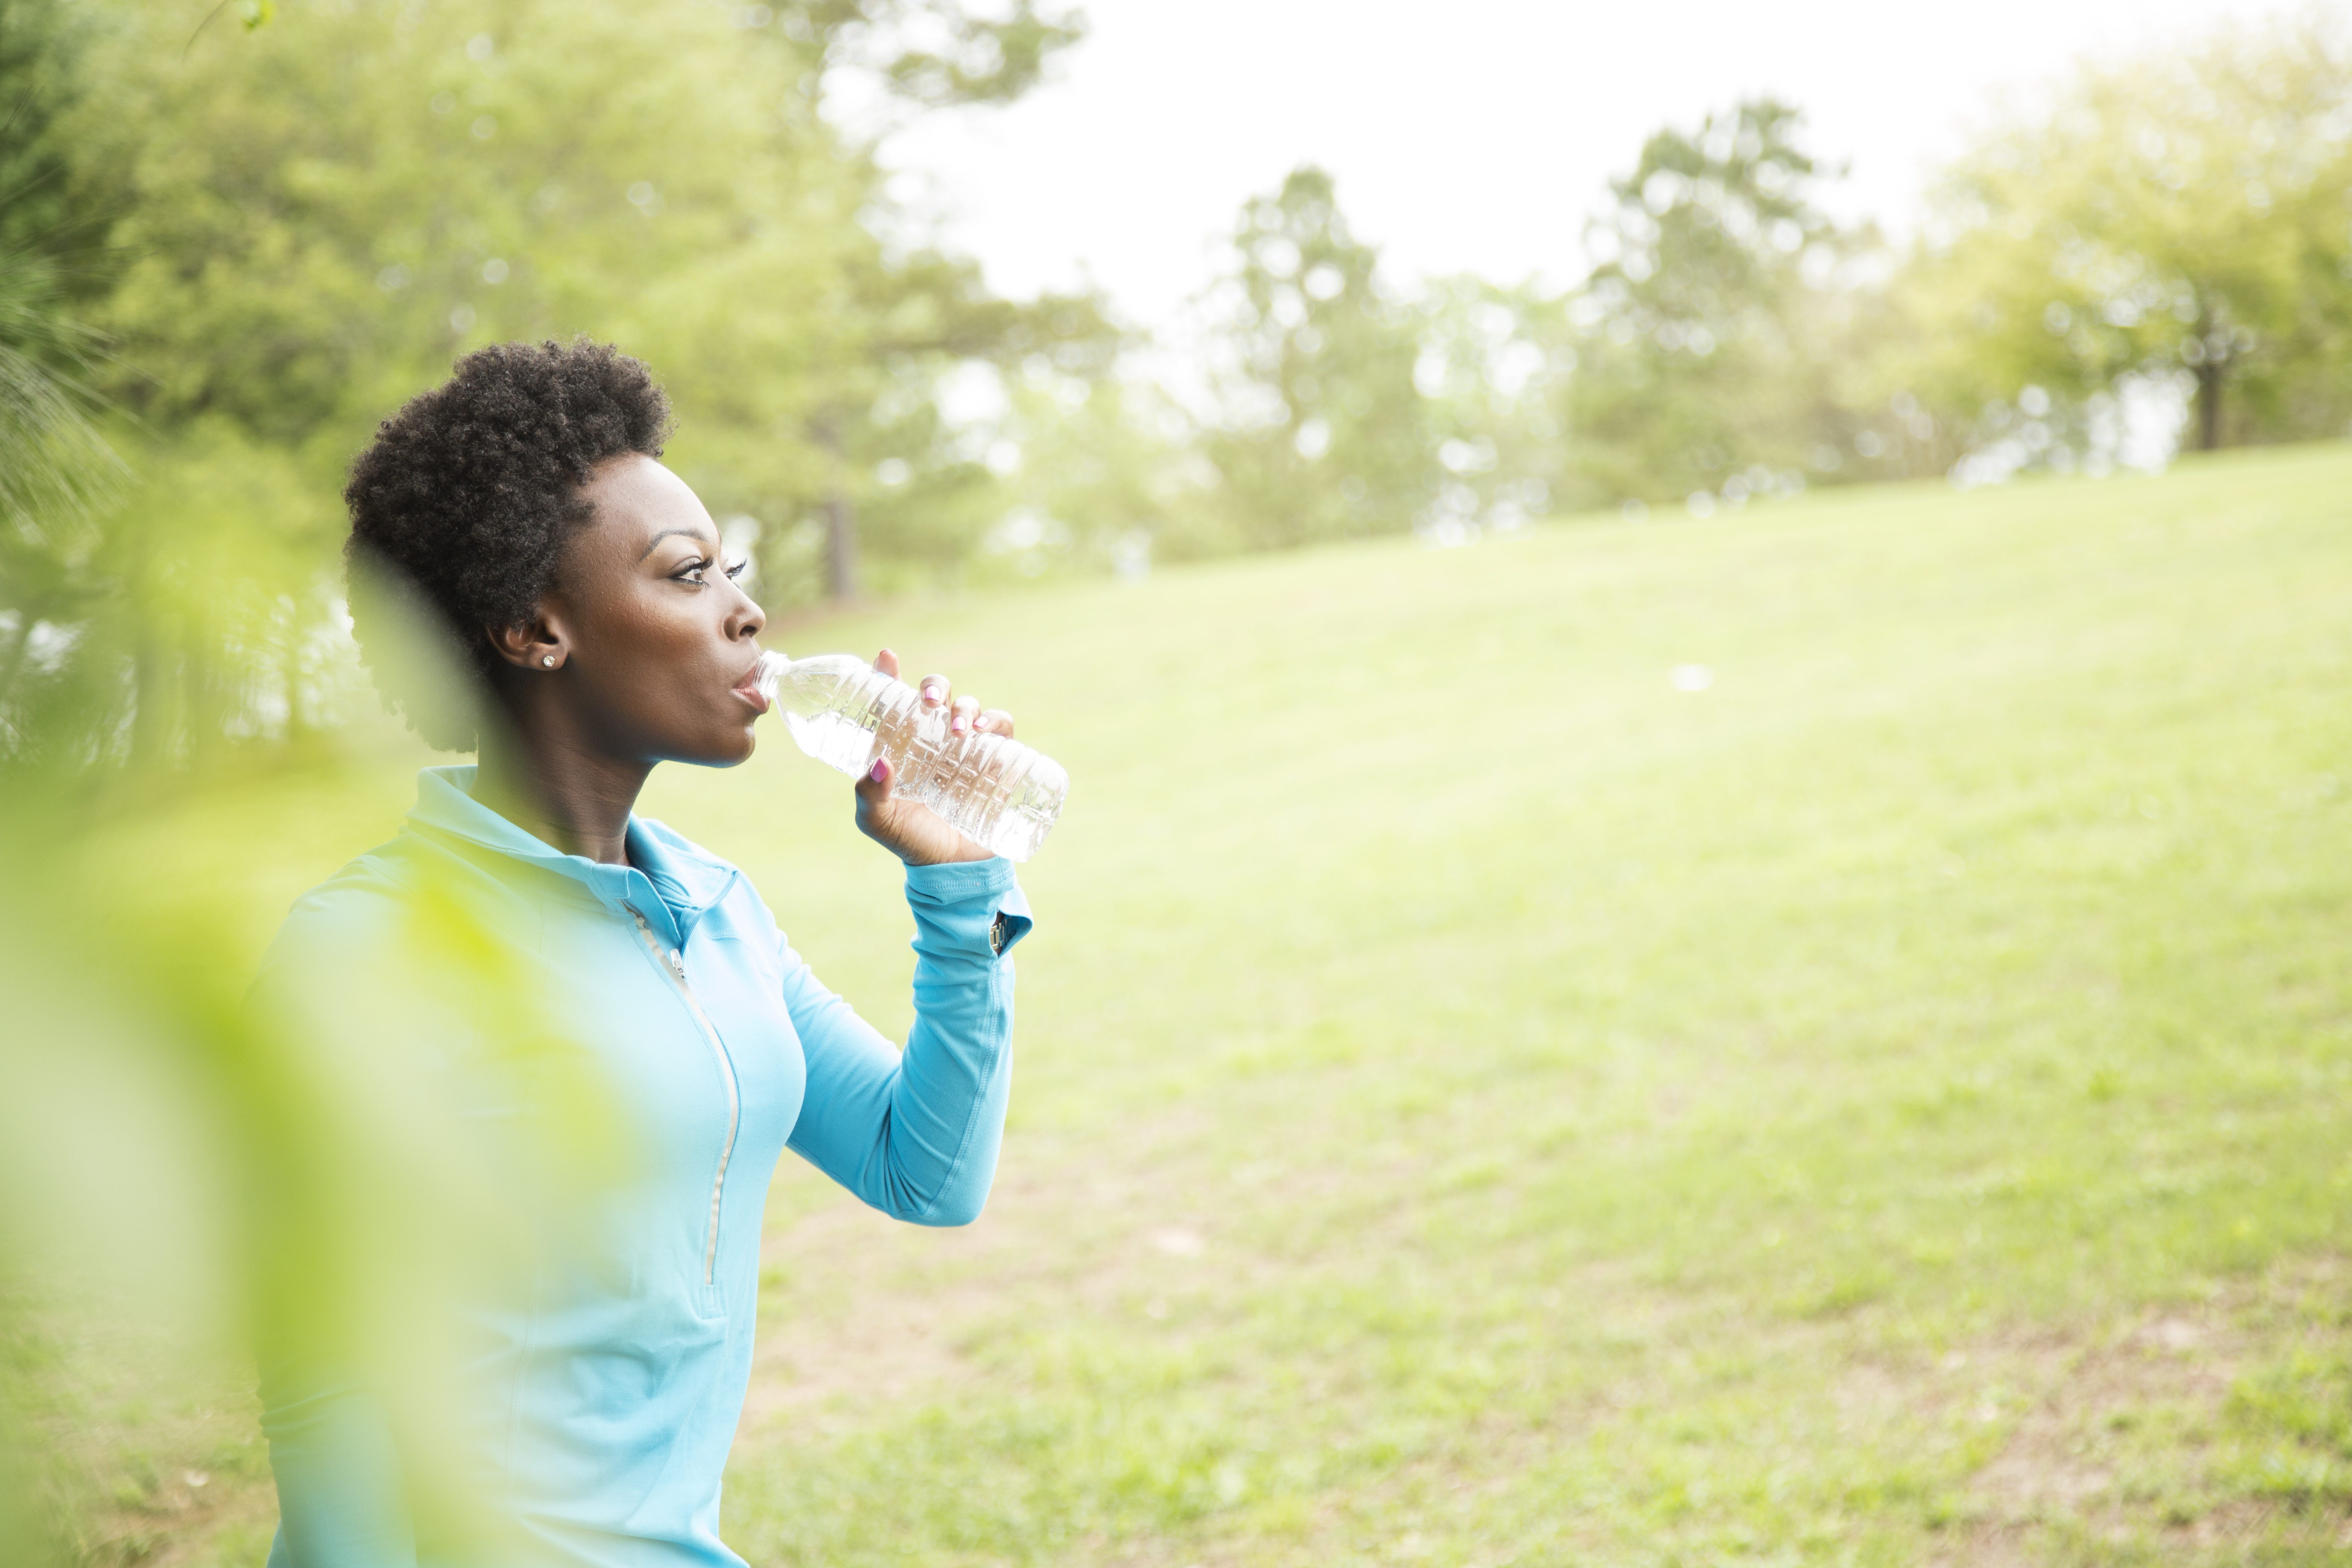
{"type": "Point", "coordinates": [464, 501]}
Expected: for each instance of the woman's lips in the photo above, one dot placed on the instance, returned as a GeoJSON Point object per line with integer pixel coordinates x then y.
{"type": "Point", "coordinates": [747, 689]}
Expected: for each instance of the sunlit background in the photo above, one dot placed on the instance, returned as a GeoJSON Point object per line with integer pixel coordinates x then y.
{"type": "Point", "coordinates": [1703, 652]}
{"type": "Point", "coordinates": [1479, 144]}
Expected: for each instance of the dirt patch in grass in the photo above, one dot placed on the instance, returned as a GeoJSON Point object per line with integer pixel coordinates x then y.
{"type": "Point", "coordinates": [865, 1309]}
{"type": "Point", "coordinates": [2063, 1454]}
{"type": "Point", "coordinates": [2095, 1444]}
{"type": "Point", "coordinates": [146, 1443]}
{"type": "Point", "coordinates": [183, 1526]}
{"type": "Point", "coordinates": [2119, 1449]}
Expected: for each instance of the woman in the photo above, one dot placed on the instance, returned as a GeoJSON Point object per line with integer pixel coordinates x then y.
{"type": "Point", "coordinates": [522, 510]}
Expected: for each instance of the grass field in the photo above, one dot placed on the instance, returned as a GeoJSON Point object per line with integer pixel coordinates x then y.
{"type": "Point", "coordinates": [1478, 1102]}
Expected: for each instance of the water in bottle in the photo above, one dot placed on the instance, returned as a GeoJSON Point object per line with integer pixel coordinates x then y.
{"type": "Point", "coordinates": [1000, 794]}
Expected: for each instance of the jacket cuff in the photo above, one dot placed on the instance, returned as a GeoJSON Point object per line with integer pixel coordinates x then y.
{"type": "Point", "coordinates": [963, 899]}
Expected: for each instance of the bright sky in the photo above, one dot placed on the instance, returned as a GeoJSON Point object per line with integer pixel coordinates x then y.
{"type": "Point", "coordinates": [1474, 135]}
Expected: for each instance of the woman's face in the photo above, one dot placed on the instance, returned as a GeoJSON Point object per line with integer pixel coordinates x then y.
{"type": "Point", "coordinates": [657, 645]}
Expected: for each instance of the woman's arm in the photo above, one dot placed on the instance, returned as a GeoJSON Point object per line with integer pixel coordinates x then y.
{"type": "Point", "coordinates": [342, 1487]}
{"type": "Point", "coordinates": [340, 1502]}
{"type": "Point", "coordinates": [915, 1134]}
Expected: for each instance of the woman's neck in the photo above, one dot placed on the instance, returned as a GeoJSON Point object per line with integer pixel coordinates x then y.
{"type": "Point", "coordinates": [576, 800]}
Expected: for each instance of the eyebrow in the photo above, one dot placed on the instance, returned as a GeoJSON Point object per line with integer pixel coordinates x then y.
{"type": "Point", "coordinates": [694, 533]}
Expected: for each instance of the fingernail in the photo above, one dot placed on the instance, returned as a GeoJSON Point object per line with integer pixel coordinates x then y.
{"type": "Point", "coordinates": [959, 723]}
{"type": "Point", "coordinates": [935, 693]}
{"type": "Point", "coordinates": [880, 770]}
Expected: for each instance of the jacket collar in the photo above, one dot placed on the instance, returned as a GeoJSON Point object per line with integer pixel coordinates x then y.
{"type": "Point", "coordinates": [668, 876]}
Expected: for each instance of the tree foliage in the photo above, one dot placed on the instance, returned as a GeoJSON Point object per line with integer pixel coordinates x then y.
{"type": "Point", "coordinates": [1709, 336]}
{"type": "Point", "coordinates": [2178, 215]}
{"type": "Point", "coordinates": [58, 470]}
{"type": "Point", "coordinates": [1323, 434]}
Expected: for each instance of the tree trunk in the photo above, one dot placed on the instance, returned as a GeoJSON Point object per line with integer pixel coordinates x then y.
{"type": "Point", "coordinates": [2209, 402]}
{"type": "Point", "coordinates": [150, 713]}
{"type": "Point", "coordinates": [291, 666]}
{"type": "Point", "coordinates": [840, 546]}
{"type": "Point", "coordinates": [14, 664]}
{"type": "Point", "coordinates": [840, 519]}
{"type": "Point", "coordinates": [211, 701]}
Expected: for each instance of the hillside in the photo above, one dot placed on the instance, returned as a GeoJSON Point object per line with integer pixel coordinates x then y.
{"type": "Point", "coordinates": [1818, 1034]}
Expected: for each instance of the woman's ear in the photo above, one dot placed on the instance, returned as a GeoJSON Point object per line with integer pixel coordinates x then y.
{"type": "Point", "coordinates": [535, 643]}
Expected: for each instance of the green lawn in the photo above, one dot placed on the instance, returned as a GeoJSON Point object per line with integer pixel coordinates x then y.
{"type": "Point", "coordinates": [1480, 1103]}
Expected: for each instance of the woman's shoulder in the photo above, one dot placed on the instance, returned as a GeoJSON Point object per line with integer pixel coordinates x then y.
{"type": "Point", "coordinates": [390, 956]}
{"type": "Point", "coordinates": [372, 897]}
{"type": "Point", "coordinates": [359, 905]}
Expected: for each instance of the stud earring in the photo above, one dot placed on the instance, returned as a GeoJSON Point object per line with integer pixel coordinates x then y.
{"type": "Point", "coordinates": [548, 659]}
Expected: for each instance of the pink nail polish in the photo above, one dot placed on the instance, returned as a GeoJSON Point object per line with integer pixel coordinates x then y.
{"type": "Point", "coordinates": [880, 770]}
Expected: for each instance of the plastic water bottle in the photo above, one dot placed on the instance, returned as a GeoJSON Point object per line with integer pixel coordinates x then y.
{"type": "Point", "coordinates": [1000, 794]}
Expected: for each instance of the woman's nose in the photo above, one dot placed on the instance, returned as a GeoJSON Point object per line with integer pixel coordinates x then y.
{"type": "Point", "coordinates": [746, 619]}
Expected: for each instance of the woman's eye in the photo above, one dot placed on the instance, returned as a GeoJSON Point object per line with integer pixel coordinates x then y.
{"type": "Point", "coordinates": [692, 571]}
{"type": "Point", "coordinates": [736, 571]}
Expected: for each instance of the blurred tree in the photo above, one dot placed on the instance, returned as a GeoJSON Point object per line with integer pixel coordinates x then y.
{"type": "Point", "coordinates": [2179, 215]}
{"type": "Point", "coordinates": [937, 53]}
{"type": "Point", "coordinates": [1493, 367]}
{"type": "Point", "coordinates": [1104, 477]}
{"type": "Point", "coordinates": [57, 471]}
{"type": "Point", "coordinates": [41, 46]}
{"type": "Point", "coordinates": [330, 206]}
{"type": "Point", "coordinates": [1705, 338]}
{"type": "Point", "coordinates": [1322, 433]}
{"type": "Point", "coordinates": [911, 324]}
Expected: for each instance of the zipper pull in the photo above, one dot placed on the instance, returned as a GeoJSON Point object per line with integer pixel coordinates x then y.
{"type": "Point", "coordinates": [678, 964]}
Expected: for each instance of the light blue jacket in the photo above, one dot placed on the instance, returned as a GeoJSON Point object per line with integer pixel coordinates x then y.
{"type": "Point", "coordinates": [603, 1399]}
